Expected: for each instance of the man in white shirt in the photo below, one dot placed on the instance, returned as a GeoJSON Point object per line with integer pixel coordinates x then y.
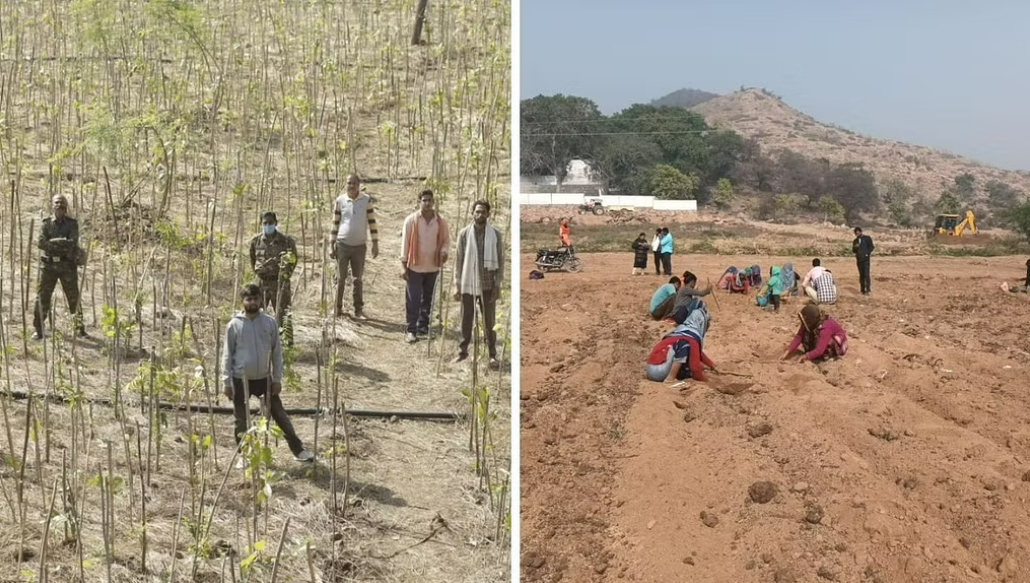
{"type": "Point", "coordinates": [814, 273]}
{"type": "Point", "coordinates": [354, 220]}
{"type": "Point", "coordinates": [819, 285]}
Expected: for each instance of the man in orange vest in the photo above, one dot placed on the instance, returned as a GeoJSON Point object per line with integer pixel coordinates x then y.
{"type": "Point", "coordinates": [425, 244]}
{"type": "Point", "coordinates": [563, 234]}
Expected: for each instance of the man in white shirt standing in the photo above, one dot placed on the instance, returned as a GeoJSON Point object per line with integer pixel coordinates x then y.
{"type": "Point", "coordinates": [425, 243]}
{"type": "Point", "coordinates": [354, 221]}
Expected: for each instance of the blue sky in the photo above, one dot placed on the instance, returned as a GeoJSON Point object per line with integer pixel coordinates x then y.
{"type": "Point", "coordinates": [935, 73]}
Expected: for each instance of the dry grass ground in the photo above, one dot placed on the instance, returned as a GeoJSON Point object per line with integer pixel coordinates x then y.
{"type": "Point", "coordinates": [171, 128]}
{"type": "Point", "coordinates": [717, 233]}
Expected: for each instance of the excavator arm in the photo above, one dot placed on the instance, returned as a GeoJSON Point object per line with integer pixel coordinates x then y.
{"type": "Point", "coordinates": [969, 222]}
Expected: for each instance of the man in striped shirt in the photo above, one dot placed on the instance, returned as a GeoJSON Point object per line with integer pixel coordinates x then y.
{"type": "Point", "coordinates": [354, 222]}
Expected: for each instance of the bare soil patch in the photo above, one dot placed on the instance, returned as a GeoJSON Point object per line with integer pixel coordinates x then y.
{"type": "Point", "coordinates": [790, 478]}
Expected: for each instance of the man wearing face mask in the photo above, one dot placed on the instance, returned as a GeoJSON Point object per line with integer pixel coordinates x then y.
{"type": "Point", "coordinates": [273, 257]}
{"type": "Point", "coordinates": [59, 241]}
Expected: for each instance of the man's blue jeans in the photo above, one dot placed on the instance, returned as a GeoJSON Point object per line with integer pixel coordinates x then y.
{"type": "Point", "coordinates": [419, 300]}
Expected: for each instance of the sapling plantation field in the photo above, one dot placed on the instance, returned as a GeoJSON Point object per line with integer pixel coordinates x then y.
{"type": "Point", "coordinates": [170, 126]}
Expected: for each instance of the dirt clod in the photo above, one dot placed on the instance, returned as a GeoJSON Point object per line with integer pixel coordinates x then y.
{"type": "Point", "coordinates": [708, 519]}
{"type": "Point", "coordinates": [762, 492]}
{"type": "Point", "coordinates": [884, 433]}
{"type": "Point", "coordinates": [827, 573]}
{"type": "Point", "coordinates": [814, 515]}
{"type": "Point", "coordinates": [534, 560]}
{"type": "Point", "coordinates": [732, 388]}
{"type": "Point", "coordinates": [759, 429]}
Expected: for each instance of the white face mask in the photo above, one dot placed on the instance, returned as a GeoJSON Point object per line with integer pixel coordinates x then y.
{"type": "Point", "coordinates": [269, 229]}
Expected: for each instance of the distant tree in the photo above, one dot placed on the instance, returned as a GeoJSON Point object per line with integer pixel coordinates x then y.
{"type": "Point", "coordinates": [677, 133]}
{"type": "Point", "coordinates": [723, 193]}
{"type": "Point", "coordinates": [798, 173]}
{"type": "Point", "coordinates": [1003, 196]}
{"type": "Point", "coordinates": [755, 169]}
{"type": "Point", "coordinates": [948, 203]}
{"type": "Point", "coordinates": [552, 131]}
{"type": "Point", "coordinates": [832, 210]}
{"type": "Point", "coordinates": [854, 188]}
{"type": "Point", "coordinates": [1019, 218]}
{"type": "Point", "coordinates": [899, 213]}
{"type": "Point", "coordinates": [898, 197]}
{"type": "Point", "coordinates": [786, 206]}
{"type": "Point", "coordinates": [965, 187]}
{"type": "Point", "coordinates": [624, 162]}
{"type": "Point", "coordinates": [668, 183]}
{"type": "Point", "coordinates": [726, 150]}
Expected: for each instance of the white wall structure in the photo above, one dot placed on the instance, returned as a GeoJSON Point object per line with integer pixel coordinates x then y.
{"type": "Point", "coordinates": [611, 201]}
{"type": "Point", "coordinates": [579, 172]}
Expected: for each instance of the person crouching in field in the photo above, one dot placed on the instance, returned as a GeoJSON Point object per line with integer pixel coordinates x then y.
{"type": "Point", "coordinates": [664, 299]}
{"type": "Point", "coordinates": [641, 249]}
{"type": "Point", "coordinates": [679, 355]}
{"type": "Point", "coordinates": [819, 335]}
{"type": "Point", "coordinates": [1017, 287]}
{"type": "Point", "coordinates": [686, 295]}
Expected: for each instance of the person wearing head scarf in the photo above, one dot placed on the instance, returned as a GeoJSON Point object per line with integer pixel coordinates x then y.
{"type": "Point", "coordinates": [683, 346]}
{"type": "Point", "coordinates": [819, 336]}
{"type": "Point", "coordinates": [641, 249]}
{"type": "Point", "coordinates": [776, 287]}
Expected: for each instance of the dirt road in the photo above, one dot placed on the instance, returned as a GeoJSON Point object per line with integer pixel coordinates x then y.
{"type": "Point", "coordinates": [906, 461]}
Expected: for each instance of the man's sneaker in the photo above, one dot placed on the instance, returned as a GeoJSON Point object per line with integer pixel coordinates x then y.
{"type": "Point", "coordinates": [494, 364]}
{"type": "Point", "coordinates": [81, 333]}
{"type": "Point", "coordinates": [410, 338]}
{"type": "Point", "coordinates": [304, 456]}
{"type": "Point", "coordinates": [460, 358]}
{"type": "Point", "coordinates": [37, 335]}
{"type": "Point", "coordinates": [422, 333]}
{"type": "Point", "coordinates": [359, 315]}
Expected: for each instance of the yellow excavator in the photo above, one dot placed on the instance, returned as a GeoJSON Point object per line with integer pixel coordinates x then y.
{"type": "Point", "coordinates": [950, 225]}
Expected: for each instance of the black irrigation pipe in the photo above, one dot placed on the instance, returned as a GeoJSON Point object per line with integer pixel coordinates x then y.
{"type": "Point", "coordinates": [441, 417]}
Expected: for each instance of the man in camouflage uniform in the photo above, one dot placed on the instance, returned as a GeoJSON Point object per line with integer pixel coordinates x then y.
{"type": "Point", "coordinates": [273, 257]}
{"type": "Point", "coordinates": [59, 241]}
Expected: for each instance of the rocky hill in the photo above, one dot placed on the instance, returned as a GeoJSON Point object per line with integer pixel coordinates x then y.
{"type": "Point", "coordinates": [684, 98]}
{"type": "Point", "coordinates": [758, 114]}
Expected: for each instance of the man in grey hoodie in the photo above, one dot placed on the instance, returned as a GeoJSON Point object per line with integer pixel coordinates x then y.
{"type": "Point", "coordinates": [252, 347]}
